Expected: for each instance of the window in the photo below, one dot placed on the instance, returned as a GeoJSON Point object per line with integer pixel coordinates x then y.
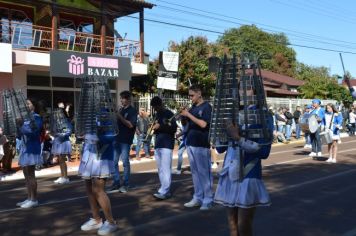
{"type": "Point", "coordinates": [62, 82]}
{"type": "Point", "coordinates": [38, 80]}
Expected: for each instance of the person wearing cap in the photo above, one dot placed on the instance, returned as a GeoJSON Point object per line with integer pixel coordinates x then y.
{"type": "Point", "coordinates": [315, 137]}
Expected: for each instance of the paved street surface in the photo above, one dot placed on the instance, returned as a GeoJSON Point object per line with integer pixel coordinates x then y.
{"type": "Point", "coordinates": [309, 198]}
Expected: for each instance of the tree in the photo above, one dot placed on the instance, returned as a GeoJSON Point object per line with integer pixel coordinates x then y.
{"type": "Point", "coordinates": [272, 48]}
{"type": "Point", "coordinates": [319, 84]}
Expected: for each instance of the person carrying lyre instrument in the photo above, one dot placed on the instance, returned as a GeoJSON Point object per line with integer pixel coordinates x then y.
{"type": "Point", "coordinates": [198, 149]}
{"type": "Point", "coordinates": [126, 120]}
{"type": "Point", "coordinates": [61, 146]}
{"type": "Point", "coordinates": [30, 153]}
{"type": "Point", "coordinates": [164, 130]}
{"type": "Point", "coordinates": [315, 137]}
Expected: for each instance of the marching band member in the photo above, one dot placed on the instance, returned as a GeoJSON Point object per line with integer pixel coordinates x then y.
{"type": "Point", "coordinates": [164, 144]}
{"type": "Point", "coordinates": [333, 121]}
{"type": "Point", "coordinates": [126, 120]}
{"type": "Point", "coordinates": [61, 148]}
{"type": "Point", "coordinates": [30, 154]}
{"type": "Point", "coordinates": [198, 149]}
{"type": "Point", "coordinates": [315, 137]}
{"type": "Point", "coordinates": [242, 196]}
{"type": "Point", "coordinates": [96, 166]}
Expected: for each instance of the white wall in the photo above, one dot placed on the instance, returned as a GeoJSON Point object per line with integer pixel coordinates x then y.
{"type": "Point", "coordinates": [6, 58]}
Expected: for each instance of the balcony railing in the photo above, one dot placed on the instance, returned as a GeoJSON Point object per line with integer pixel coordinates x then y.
{"type": "Point", "coordinates": [26, 36]}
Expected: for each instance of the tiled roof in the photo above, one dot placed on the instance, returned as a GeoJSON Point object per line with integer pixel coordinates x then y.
{"type": "Point", "coordinates": [278, 78]}
{"type": "Point", "coordinates": [281, 91]}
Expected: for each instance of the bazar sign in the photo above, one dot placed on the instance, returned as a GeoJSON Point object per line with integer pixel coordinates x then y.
{"type": "Point", "coordinates": [80, 65]}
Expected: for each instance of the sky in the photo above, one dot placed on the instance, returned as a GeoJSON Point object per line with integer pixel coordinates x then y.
{"type": "Point", "coordinates": [325, 24]}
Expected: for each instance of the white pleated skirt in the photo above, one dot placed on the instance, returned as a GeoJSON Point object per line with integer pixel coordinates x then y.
{"type": "Point", "coordinates": [30, 159]}
{"type": "Point", "coordinates": [93, 167]}
{"type": "Point", "coordinates": [61, 148]}
{"type": "Point", "coordinates": [251, 192]}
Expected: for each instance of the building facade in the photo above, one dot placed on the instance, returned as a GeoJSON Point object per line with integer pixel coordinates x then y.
{"type": "Point", "coordinates": [31, 30]}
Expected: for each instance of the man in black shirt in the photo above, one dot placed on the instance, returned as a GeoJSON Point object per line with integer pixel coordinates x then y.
{"type": "Point", "coordinates": [126, 120]}
{"type": "Point", "coordinates": [164, 128]}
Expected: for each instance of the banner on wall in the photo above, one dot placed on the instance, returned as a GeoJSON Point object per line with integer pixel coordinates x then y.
{"type": "Point", "coordinates": [168, 70]}
{"type": "Point", "coordinates": [81, 65]}
{"type": "Point", "coordinates": [6, 54]}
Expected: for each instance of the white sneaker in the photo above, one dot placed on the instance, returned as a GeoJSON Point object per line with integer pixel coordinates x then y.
{"type": "Point", "coordinates": [63, 181]}
{"type": "Point", "coordinates": [312, 154]}
{"type": "Point", "coordinates": [319, 154]}
{"type": "Point", "coordinates": [214, 165]}
{"type": "Point", "coordinates": [193, 203]}
{"type": "Point", "coordinates": [330, 159]}
{"type": "Point", "coordinates": [107, 228]}
{"type": "Point", "coordinates": [333, 160]}
{"type": "Point", "coordinates": [176, 172]}
{"type": "Point", "coordinates": [29, 204]}
{"type": "Point", "coordinates": [91, 224]}
{"type": "Point", "coordinates": [206, 207]}
{"type": "Point", "coordinates": [21, 203]}
{"type": "Point", "coordinates": [58, 180]}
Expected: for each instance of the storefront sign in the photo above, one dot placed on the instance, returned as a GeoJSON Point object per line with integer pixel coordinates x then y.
{"type": "Point", "coordinates": [6, 55]}
{"type": "Point", "coordinates": [80, 65]}
{"type": "Point", "coordinates": [168, 70]}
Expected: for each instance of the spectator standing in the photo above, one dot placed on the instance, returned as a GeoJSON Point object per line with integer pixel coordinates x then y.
{"type": "Point", "coordinates": [297, 115]}
{"type": "Point", "coordinates": [289, 122]}
{"type": "Point", "coordinates": [141, 132]}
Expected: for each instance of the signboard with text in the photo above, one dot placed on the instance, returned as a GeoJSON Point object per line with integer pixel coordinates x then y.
{"type": "Point", "coordinates": [168, 70]}
{"type": "Point", "coordinates": [81, 65]}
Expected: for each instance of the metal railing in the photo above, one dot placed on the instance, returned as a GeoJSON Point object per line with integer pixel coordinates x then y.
{"type": "Point", "coordinates": [27, 36]}
{"type": "Point", "coordinates": [176, 101]}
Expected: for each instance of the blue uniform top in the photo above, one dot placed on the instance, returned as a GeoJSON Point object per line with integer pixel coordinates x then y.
{"type": "Point", "coordinates": [336, 122]}
{"type": "Point", "coordinates": [102, 144]}
{"type": "Point", "coordinates": [31, 136]}
{"type": "Point", "coordinates": [63, 137]}
{"type": "Point", "coordinates": [252, 150]}
{"type": "Point", "coordinates": [197, 136]}
{"type": "Point", "coordinates": [165, 133]}
{"type": "Point", "coordinates": [126, 134]}
{"type": "Point", "coordinates": [320, 112]}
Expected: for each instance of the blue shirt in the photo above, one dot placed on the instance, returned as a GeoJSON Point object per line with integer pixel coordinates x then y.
{"type": "Point", "coordinates": [197, 136]}
{"type": "Point", "coordinates": [320, 112]}
{"type": "Point", "coordinates": [165, 133]}
{"type": "Point", "coordinates": [127, 134]}
{"type": "Point", "coordinates": [31, 136]}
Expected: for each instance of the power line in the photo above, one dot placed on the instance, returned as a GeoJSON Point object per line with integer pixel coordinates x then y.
{"type": "Point", "coordinates": [239, 19]}
{"type": "Point", "coordinates": [221, 33]}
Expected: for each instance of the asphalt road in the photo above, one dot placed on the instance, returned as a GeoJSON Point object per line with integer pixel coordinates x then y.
{"type": "Point", "coordinates": [309, 198]}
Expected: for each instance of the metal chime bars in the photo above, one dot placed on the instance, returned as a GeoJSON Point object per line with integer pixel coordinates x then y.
{"type": "Point", "coordinates": [239, 98]}
{"type": "Point", "coordinates": [15, 111]}
{"type": "Point", "coordinates": [95, 114]}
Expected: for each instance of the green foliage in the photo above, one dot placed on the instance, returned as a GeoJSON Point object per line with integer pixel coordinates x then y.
{"type": "Point", "coordinates": [273, 49]}
{"type": "Point", "coordinates": [194, 53]}
{"type": "Point", "coordinates": [319, 84]}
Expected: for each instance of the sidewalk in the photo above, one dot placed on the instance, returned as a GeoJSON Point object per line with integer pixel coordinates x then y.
{"type": "Point", "coordinates": [73, 165]}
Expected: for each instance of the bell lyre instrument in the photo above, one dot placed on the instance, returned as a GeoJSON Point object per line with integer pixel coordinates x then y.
{"type": "Point", "coordinates": [240, 99]}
